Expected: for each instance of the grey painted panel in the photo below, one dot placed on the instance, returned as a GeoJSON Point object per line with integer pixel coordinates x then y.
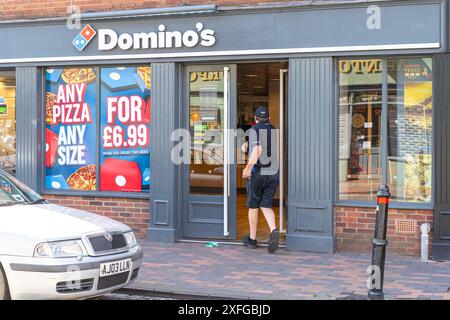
{"type": "Point", "coordinates": [163, 121]}
{"type": "Point", "coordinates": [444, 222]}
{"type": "Point", "coordinates": [310, 123]}
{"type": "Point", "coordinates": [309, 219]}
{"type": "Point", "coordinates": [163, 172]}
{"type": "Point", "coordinates": [161, 212]}
{"type": "Point", "coordinates": [28, 127]}
{"type": "Point", "coordinates": [205, 212]}
{"type": "Point", "coordinates": [162, 235]}
{"type": "Point", "coordinates": [329, 26]}
{"type": "Point", "coordinates": [414, 23]}
{"type": "Point", "coordinates": [320, 244]}
{"type": "Point", "coordinates": [310, 153]}
{"type": "Point", "coordinates": [441, 251]}
{"type": "Point", "coordinates": [441, 232]}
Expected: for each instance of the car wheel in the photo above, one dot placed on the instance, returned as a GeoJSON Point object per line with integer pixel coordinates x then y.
{"type": "Point", "coordinates": [4, 291]}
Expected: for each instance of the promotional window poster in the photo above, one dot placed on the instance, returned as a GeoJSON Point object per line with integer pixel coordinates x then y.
{"type": "Point", "coordinates": [418, 117]}
{"type": "Point", "coordinates": [411, 131]}
{"type": "Point", "coordinates": [125, 129]}
{"type": "Point", "coordinates": [70, 134]}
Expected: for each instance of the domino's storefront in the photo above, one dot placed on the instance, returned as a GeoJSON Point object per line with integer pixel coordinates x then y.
{"type": "Point", "coordinates": [91, 117]}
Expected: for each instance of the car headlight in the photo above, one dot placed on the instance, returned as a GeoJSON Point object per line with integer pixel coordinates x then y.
{"type": "Point", "coordinates": [131, 239]}
{"type": "Point", "coordinates": [59, 249]}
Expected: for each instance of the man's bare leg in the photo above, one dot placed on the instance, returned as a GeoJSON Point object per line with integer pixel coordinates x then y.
{"type": "Point", "coordinates": [270, 218]}
{"type": "Point", "coordinates": [253, 222]}
{"type": "Point", "coordinates": [274, 233]}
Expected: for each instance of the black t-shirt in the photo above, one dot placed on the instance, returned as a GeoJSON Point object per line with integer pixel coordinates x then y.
{"type": "Point", "coordinates": [261, 135]}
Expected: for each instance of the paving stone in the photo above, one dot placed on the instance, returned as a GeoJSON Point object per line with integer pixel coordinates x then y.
{"type": "Point", "coordinates": [235, 271]}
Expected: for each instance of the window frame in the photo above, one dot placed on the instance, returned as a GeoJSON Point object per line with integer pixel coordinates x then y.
{"type": "Point", "coordinates": [96, 193]}
{"type": "Point", "coordinates": [395, 204]}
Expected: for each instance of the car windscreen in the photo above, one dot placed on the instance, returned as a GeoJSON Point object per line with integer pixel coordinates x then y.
{"type": "Point", "coordinates": [12, 191]}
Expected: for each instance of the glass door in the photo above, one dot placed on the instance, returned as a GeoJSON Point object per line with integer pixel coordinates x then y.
{"type": "Point", "coordinates": [209, 206]}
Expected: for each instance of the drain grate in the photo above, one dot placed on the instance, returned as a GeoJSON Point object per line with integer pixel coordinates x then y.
{"type": "Point", "coordinates": [405, 226]}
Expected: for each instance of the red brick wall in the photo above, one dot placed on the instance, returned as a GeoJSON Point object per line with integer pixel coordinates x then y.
{"type": "Point", "coordinates": [27, 9]}
{"type": "Point", "coordinates": [354, 226]}
{"type": "Point", "coordinates": [354, 229]}
{"type": "Point", "coordinates": [133, 212]}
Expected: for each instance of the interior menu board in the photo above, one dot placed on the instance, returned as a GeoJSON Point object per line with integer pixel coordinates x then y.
{"type": "Point", "coordinates": [125, 129]}
{"type": "Point", "coordinates": [70, 134]}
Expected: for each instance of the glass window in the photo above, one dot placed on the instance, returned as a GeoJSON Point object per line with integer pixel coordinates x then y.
{"type": "Point", "coordinates": [206, 105]}
{"type": "Point", "coordinates": [8, 121]}
{"type": "Point", "coordinates": [98, 143]}
{"type": "Point", "coordinates": [13, 191]}
{"type": "Point", "coordinates": [71, 129]}
{"type": "Point", "coordinates": [410, 129]}
{"type": "Point", "coordinates": [125, 129]}
{"type": "Point", "coordinates": [408, 140]}
{"type": "Point", "coordinates": [360, 102]}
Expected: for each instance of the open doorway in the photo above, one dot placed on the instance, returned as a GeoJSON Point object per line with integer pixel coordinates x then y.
{"type": "Point", "coordinates": [258, 84]}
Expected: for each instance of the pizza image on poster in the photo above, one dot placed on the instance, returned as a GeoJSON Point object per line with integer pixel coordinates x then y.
{"type": "Point", "coordinates": [83, 179]}
{"type": "Point", "coordinates": [70, 135]}
{"type": "Point", "coordinates": [78, 75]}
{"type": "Point", "coordinates": [125, 129]}
{"type": "Point", "coordinates": [50, 99]}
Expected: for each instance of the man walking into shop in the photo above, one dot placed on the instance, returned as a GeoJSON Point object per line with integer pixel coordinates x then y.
{"type": "Point", "coordinates": [263, 178]}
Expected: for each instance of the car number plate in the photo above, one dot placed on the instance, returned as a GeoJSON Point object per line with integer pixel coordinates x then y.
{"type": "Point", "coordinates": [111, 268]}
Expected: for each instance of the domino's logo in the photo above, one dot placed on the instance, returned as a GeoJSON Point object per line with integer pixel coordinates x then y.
{"type": "Point", "coordinates": [84, 37]}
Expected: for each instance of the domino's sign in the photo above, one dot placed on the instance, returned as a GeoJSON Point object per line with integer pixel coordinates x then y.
{"type": "Point", "coordinates": [109, 39]}
{"type": "Point", "coordinates": [84, 37]}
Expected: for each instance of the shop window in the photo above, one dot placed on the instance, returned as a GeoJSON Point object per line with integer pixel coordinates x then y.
{"type": "Point", "coordinates": [97, 129]}
{"type": "Point", "coordinates": [8, 121]}
{"type": "Point", "coordinates": [125, 129]}
{"type": "Point", "coordinates": [407, 143]}
{"type": "Point", "coordinates": [360, 101]}
{"type": "Point", "coordinates": [410, 129]}
{"type": "Point", "coordinates": [71, 134]}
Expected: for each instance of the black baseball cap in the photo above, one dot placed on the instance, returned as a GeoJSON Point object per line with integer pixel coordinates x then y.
{"type": "Point", "coordinates": [262, 113]}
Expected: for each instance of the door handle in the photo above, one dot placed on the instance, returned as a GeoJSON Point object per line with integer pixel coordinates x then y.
{"type": "Point", "coordinates": [226, 147]}
{"type": "Point", "coordinates": [283, 72]}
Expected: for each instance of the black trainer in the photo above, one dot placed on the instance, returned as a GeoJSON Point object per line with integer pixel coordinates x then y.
{"type": "Point", "coordinates": [273, 241]}
{"type": "Point", "coordinates": [252, 244]}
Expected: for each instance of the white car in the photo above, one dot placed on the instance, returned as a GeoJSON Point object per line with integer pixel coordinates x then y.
{"type": "Point", "coordinates": [52, 252]}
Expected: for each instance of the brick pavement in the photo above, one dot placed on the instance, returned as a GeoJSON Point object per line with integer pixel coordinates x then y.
{"type": "Point", "coordinates": [235, 271]}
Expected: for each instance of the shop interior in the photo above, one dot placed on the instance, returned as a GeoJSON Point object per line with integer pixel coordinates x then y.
{"type": "Point", "coordinates": [258, 84]}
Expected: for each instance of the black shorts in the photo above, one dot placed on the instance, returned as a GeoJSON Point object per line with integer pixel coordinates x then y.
{"type": "Point", "coordinates": [261, 189]}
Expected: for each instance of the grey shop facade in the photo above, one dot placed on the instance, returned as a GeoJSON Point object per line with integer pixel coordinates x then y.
{"type": "Point", "coordinates": [357, 90]}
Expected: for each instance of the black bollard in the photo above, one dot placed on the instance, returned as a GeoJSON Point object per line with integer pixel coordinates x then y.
{"type": "Point", "coordinates": [379, 243]}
